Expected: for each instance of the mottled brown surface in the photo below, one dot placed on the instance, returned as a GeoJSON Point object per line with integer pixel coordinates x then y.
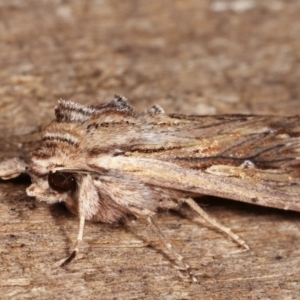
{"type": "Point", "coordinates": [204, 57]}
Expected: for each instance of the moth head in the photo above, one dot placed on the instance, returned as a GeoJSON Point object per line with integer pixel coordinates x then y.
{"type": "Point", "coordinates": [59, 152]}
{"type": "Point", "coordinates": [52, 187]}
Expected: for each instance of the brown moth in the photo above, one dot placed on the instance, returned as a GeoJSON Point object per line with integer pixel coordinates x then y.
{"type": "Point", "coordinates": [107, 161]}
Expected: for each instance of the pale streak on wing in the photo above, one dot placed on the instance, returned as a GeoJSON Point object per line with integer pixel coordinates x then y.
{"type": "Point", "coordinates": [243, 186]}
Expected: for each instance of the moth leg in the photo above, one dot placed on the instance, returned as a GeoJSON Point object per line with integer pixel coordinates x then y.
{"type": "Point", "coordinates": [192, 204]}
{"type": "Point", "coordinates": [78, 241]}
{"type": "Point", "coordinates": [88, 200]}
{"type": "Point", "coordinates": [169, 246]}
{"type": "Point", "coordinates": [12, 168]}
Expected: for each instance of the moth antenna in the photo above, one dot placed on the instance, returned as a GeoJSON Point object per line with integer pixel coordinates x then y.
{"type": "Point", "coordinates": [169, 246]}
{"type": "Point", "coordinates": [78, 241]}
{"type": "Point", "coordinates": [193, 205]}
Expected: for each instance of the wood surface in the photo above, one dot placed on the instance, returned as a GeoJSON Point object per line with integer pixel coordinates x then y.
{"type": "Point", "coordinates": [200, 57]}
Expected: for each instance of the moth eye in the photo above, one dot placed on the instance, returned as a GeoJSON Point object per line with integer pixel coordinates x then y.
{"type": "Point", "coordinates": [61, 182]}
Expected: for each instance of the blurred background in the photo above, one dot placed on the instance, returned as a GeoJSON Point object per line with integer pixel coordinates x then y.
{"type": "Point", "coordinates": [190, 56]}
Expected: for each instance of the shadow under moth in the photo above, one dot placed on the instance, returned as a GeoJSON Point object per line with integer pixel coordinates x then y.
{"type": "Point", "coordinates": [108, 161]}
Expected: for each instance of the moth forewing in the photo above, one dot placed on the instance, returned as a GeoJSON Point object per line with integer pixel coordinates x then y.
{"type": "Point", "coordinates": [266, 187]}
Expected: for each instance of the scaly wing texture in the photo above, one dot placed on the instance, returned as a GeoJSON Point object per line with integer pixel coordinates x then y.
{"type": "Point", "coordinates": [248, 158]}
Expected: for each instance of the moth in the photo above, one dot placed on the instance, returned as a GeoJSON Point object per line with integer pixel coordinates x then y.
{"type": "Point", "coordinates": [107, 161]}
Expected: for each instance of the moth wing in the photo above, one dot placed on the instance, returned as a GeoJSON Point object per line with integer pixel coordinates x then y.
{"type": "Point", "coordinates": [253, 159]}
{"type": "Point", "coordinates": [273, 188]}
